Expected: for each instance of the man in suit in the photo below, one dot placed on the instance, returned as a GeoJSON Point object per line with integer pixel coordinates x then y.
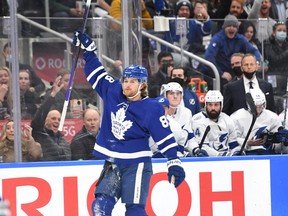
{"type": "Point", "coordinates": [234, 94]}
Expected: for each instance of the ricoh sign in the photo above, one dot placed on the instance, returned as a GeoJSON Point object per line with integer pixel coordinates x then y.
{"type": "Point", "coordinates": [241, 186]}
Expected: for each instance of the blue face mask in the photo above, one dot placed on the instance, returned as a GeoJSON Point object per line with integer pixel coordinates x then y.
{"type": "Point", "coordinates": [281, 36]}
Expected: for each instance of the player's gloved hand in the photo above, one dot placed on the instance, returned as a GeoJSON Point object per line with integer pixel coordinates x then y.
{"type": "Point", "coordinates": [83, 40]}
{"type": "Point", "coordinates": [176, 173]}
{"type": "Point", "coordinates": [282, 136]}
{"type": "Point", "coordinates": [199, 153]}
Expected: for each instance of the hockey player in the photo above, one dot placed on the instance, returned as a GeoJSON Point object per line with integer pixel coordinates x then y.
{"type": "Point", "coordinates": [130, 117]}
{"type": "Point", "coordinates": [221, 140]}
{"type": "Point", "coordinates": [173, 91]}
{"type": "Point", "coordinates": [181, 135]}
{"type": "Point", "coordinates": [266, 122]}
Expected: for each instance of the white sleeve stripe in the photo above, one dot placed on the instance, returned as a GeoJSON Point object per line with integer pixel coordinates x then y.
{"type": "Point", "coordinates": [120, 155]}
{"type": "Point", "coordinates": [138, 182]}
{"type": "Point", "coordinates": [94, 72]}
{"type": "Point", "coordinates": [164, 139]}
{"type": "Point", "coordinates": [168, 147]}
{"type": "Point", "coordinates": [98, 78]}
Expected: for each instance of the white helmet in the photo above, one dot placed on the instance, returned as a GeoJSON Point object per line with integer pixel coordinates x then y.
{"type": "Point", "coordinates": [258, 97]}
{"type": "Point", "coordinates": [214, 96]}
{"type": "Point", "coordinates": [171, 86]}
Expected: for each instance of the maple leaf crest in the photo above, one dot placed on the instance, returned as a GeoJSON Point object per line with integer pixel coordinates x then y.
{"type": "Point", "coordinates": [119, 125]}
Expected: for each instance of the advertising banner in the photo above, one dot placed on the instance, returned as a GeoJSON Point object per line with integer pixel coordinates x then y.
{"type": "Point", "coordinates": [232, 186]}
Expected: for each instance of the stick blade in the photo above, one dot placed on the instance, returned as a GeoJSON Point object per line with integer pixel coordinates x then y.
{"type": "Point", "coordinates": [251, 104]}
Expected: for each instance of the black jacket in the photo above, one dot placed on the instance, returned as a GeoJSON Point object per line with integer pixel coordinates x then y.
{"type": "Point", "coordinates": [55, 147]}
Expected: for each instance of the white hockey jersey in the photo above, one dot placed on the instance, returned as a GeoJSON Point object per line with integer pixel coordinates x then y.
{"type": "Point", "coordinates": [220, 138]}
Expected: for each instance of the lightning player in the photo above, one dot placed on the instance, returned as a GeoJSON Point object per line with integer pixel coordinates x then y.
{"type": "Point", "coordinates": [221, 140]}
{"type": "Point", "coordinates": [130, 117]}
{"type": "Point", "coordinates": [266, 121]}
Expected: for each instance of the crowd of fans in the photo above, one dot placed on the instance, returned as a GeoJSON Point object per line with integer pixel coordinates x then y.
{"type": "Point", "coordinates": [246, 38]}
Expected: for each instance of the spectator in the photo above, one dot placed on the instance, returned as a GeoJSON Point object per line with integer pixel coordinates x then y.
{"type": "Point", "coordinates": [260, 9]}
{"type": "Point", "coordinates": [230, 7]}
{"type": "Point", "coordinates": [6, 103]}
{"type": "Point", "coordinates": [276, 54]}
{"type": "Point", "coordinates": [36, 82]}
{"type": "Point", "coordinates": [234, 94]}
{"type": "Point", "coordinates": [31, 150]}
{"type": "Point", "coordinates": [278, 10]}
{"type": "Point", "coordinates": [174, 93]}
{"type": "Point", "coordinates": [116, 12]}
{"type": "Point", "coordinates": [165, 65]}
{"type": "Point", "coordinates": [82, 144]}
{"type": "Point", "coordinates": [190, 98]}
{"type": "Point", "coordinates": [266, 121]}
{"type": "Point", "coordinates": [249, 32]}
{"type": "Point", "coordinates": [76, 103]}
{"type": "Point", "coordinates": [63, 12]}
{"type": "Point", "coordinates": [186, 33]}
{"type": "Point", "coordinates": [45, 125]}
{"type": "Point", "coordinates": [223, 45]}
{"type": "Point", "coordinates": [221, 140]}
{"type": "Point", "coordinates": [27, 96]}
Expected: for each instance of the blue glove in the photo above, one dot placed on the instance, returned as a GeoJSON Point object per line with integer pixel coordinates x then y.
{"type": "Point", "coordinates": [282, 136]}
{"type": "Point", "coordinates": [199, 153]}
{"type": "Point", "coordinates": [84, 40]}
{"type": "Point", "coordinates": [176, 173]}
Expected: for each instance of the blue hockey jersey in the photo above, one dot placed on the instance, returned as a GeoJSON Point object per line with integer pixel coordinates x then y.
{"type": "Point", "coordinates": [126, 126]}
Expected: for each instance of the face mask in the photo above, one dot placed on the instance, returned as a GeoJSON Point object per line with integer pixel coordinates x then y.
{"type": "Point", "coordinates": [237, 71]}
{"type": "Point", "coordinates": [249, 75]}
{"type": "Point", "coordinates": [165, 67]}
{"type": "Point", "coordinates": [281, 36]}
{"type": "Point", "coordinates": [178, 80]}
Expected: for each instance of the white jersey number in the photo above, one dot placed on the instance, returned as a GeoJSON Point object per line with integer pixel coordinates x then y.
{"type": "Point", "coordinates": [164, 121]}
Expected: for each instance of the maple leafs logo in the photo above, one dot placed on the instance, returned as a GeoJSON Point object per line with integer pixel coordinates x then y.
{"type": "Point", "coordinates": [119, 124]}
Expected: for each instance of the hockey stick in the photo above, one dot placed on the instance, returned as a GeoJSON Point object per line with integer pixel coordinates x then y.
{"type": "Point", "coordinates": [204, 136]}
{"type": "Point", "coordinates": [252, 106]}
{"type": "Point", "coordinates": [74, 65]}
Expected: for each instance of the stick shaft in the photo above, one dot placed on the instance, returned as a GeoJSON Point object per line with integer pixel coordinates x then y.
{"type": "Point", "coordinates": [74, 66]}
{"type": "Point", "coordinates": [204, 136]}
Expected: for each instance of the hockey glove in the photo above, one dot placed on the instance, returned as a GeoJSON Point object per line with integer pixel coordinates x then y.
{"type": "Point", "coordinates": [199, 153]}
{"type": "Point", "coordinates": [176, 173]}
{"type": "Point", "coordinates": [84, 40]}
{"type": "Point", "coordinates": [282, 136]}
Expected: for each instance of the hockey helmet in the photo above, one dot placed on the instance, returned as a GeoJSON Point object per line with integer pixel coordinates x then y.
{"type": "Point", "coordinates": [258, 97]}
{"type": "Point", "coordinates": [171, 86]}
{"type": "Point", "coordinates": [135, 71]}
{"type": "Point", "coordinates": [214, 96]}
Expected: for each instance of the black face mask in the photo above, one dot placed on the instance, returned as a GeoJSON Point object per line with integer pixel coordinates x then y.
{"type": "Point", "coordinates": [249, 75]}
{"type": "Point", "coordinates": [237, 71]}
{"type": "Point", "coordinates": [178, 80]}
{"type": "Point", "coordinates": [165, 67]}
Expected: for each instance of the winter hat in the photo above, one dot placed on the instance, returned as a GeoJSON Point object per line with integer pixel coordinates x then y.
{"type": "Point", "coordinates": [181, 3]}
{"type": "Point", "coordinates": [230, 20]}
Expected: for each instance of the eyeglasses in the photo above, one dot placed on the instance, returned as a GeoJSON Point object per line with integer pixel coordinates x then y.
{"type": "Point", "coordinates": [167, 61]}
